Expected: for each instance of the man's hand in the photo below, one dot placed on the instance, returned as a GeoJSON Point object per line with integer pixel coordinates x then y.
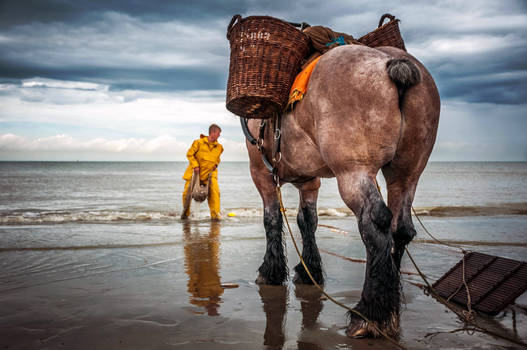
{"type": "Point", "coordinates": [196, 170]}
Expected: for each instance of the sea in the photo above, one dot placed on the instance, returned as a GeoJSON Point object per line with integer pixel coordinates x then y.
{"type": "Point", "coordinates": [73, 230]}
{"type": "Point", "coordinates": [115, 192]}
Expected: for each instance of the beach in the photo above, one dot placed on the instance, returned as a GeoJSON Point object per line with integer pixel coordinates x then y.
{"type": "Point", "coordinates": [94, 256]}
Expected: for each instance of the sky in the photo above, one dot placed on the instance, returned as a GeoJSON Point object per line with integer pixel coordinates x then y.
{"type": "Point", "coordinates": [139, 80]}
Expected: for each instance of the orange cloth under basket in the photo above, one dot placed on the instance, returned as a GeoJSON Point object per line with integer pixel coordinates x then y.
{"type": "Point", "coordinates": [299, 88]}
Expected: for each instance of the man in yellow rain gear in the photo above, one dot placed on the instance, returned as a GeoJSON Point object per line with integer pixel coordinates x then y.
{"type": "Point", "coordinates": [204, 158]}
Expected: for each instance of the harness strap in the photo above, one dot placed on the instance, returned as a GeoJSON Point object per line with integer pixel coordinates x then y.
{"type": "Point", "coordinates": [259, 143]}
{"type": "Point", "coordinates": [263, 124]}
{"type": "Point", "coordinates": [246, 132]}
{"type": "Point", "coordinates": [277, 155]}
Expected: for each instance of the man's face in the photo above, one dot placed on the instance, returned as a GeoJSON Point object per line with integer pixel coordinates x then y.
{"type": "Point", "coordinates": [214, 134]}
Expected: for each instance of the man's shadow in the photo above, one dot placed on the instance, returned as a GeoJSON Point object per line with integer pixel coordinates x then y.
{"type": "Point", "coordinates": [202, 266]}
{"type": "Point", "coordinates": [275, 300]}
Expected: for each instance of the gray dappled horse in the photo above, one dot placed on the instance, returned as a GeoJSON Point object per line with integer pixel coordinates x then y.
{"type": "Point", "coordinates": [366, 109]}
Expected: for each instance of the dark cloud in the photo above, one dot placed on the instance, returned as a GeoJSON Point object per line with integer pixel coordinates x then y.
{"type": "Point", "coordinates": [166, 79]}
{"type": "Point", "coordinates": [122, 43]}
{"type": "Point", "coordinates": [160, 79]}
{"type": "Point", "coordinates": [17, 12]}
{"type": "Point", "coordinates": [498, 76]}
{"type": "Point", "coordinates": [495, 91]}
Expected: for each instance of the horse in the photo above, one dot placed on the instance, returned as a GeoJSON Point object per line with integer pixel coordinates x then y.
{"type": "Point", "coordinates": [366, 109]}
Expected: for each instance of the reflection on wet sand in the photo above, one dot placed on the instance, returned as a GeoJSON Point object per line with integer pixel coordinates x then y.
{"type": "Point", "coordinates": [275, 300]}
{"type": "Point", "coordinates": [202, 266]}
{"type": "Point", "coordinates": [311, 304]}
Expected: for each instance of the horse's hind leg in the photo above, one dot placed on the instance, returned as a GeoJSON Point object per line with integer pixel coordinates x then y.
{"type": "Point", "coordinates": [380, 298]}
{"type": "Point", "coordinates": [420, 116]}
{"type": "Point", "coordinates": [307, 220]}
{"type": "Point", "coordinates": [274, 267]}
{"type": "Point", "coordinates": [401, 190]}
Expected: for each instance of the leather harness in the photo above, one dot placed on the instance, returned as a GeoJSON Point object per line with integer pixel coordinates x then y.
{"type": "Point", "coordinates": [259, 143]}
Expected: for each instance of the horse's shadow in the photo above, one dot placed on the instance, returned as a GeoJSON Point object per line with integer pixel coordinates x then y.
{"type": "Point", "coordinates": [275, 300]}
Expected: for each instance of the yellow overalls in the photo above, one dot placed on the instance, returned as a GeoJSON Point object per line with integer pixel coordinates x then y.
{"type": "Point", "coordinates": [206, 156]}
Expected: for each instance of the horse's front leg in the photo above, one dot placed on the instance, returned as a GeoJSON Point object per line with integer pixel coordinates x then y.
{"type": "Point", "coordinates": [307, 220]}
{"type": "Point", "coordinates": [274, 267]}
{"type": "Point", "coordinates": [380, 298]}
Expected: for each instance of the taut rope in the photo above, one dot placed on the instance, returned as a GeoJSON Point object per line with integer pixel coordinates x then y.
{"type": "Point", "coordinates": [468, 317]}
{"type": "Point", "coordinates": [470, 320]}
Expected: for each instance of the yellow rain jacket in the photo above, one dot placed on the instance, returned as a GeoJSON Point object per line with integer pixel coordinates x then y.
{"type": "Point", "coordinates": [206, 156]}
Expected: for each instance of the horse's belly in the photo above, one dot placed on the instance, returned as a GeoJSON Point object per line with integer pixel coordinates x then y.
{"type": "Point", "coordinates": [302, 161]}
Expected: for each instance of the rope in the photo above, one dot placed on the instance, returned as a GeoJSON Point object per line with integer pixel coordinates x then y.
{"type": "Point", "coordinates": [469, 314]}
{"type": "Point", "coordinates": [461, 315]}
{"type": "Point", "coordinates": [434, 238]}
{"type": "Point", "coordinates": [282, 209]}
{"type": "Point", "coordinates": [355, 260]}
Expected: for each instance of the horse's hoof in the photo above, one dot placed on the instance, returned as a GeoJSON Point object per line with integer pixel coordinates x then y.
{"type": "Point", "coordinates": [297, 279]}
{"type": "Point", "coordinates": [261, 280]}
{"type": "Point", "coordinates": [358, 329]}
{"type": "Point", "coordinates": [302, 278]}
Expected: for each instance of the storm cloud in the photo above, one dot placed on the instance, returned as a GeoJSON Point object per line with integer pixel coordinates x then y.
{"type": "Point", "coordinates": [138, 69]}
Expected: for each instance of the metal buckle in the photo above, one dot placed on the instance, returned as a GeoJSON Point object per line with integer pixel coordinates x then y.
{"type": "Point", "coordinates": [276, 161]}
{"type": "Point", "coordinates": [259, 144]}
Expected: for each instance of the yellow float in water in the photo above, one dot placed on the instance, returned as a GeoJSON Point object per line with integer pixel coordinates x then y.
{"type": "Point", "coordinates": [231, 214]}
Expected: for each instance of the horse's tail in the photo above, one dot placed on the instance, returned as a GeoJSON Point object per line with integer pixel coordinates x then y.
{"type": "Point", "coordinates": [404, 73]}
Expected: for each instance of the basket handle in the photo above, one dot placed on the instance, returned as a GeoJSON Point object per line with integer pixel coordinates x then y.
{"type": "Point", "coordinates": [234, 19]}
{"type": "Point", "coordinates": [386, 15]}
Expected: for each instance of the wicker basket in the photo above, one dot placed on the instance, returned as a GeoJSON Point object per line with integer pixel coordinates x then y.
{"type": "Point", "coordinates": [385, 35]}
{"type": "Point", "coordinates": [265, 58]}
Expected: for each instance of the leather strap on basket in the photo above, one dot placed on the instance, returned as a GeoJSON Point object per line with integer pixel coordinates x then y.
{"type": "Point", "coordinates": [235, 18]}
{"type": "Point", "coordinates": [386, 15]}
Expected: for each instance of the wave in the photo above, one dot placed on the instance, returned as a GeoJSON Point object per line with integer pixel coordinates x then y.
{"type": "Point", "coordinates": [89, 247]}
{"type": "Point", "coordinates": [33, 216]}
{"type": "Point", "coordinates": [486, 210]}
{"type": "Point", "coordinates": [92, 216]}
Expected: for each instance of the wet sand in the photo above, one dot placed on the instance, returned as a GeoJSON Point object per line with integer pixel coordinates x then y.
{"type": "Point", "coordinates": [170, 296]}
